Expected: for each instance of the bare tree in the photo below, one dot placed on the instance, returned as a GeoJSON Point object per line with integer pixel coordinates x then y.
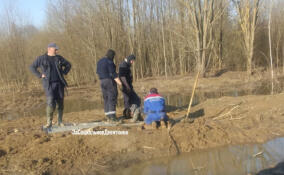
{"type": "Point", "coordinates": [203, 16]}
{"type": "Point", "coordinates": [248, 11]}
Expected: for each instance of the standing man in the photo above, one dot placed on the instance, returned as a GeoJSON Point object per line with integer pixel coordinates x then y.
{"type": "Point", "coordinates": [106, 70]}
{"type": "Point", "coordinates": [53, 67]}
{"type": "Point", "coordinates": [131, 100]}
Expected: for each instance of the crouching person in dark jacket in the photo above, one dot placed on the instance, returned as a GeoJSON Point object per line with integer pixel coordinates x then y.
{"type": "Point", "coordinates": [53, 67]}
{"type": "Point", "coordinates": [132, 101]}
{"type": "Point", "coordinates": [154, 109]}
{"type": "Point", "coordinates": [106, 70]}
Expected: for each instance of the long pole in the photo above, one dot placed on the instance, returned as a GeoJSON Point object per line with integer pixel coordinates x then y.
{"type": "Point", "coordinates": [270, 49]}
{"type": "Point", "coordinates": [192, 95]}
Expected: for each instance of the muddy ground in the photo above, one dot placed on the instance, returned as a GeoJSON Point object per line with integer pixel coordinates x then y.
{"type": "Point", "coordinates": [26, 149]}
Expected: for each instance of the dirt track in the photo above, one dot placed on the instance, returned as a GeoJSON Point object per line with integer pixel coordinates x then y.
{"type": "Point", "coordinates": [25, 149]}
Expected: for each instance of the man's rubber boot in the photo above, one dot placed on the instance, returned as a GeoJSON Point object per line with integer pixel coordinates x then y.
{"type": "Point", "coordinates": [111, 118]}
{"type": "Point", "coordinates": [164, 124]}
{"type": "Point", "coordinates": [60, 116]}
{"type": "Point", "coordinates": [49, 115]}
{"type": "Point", "coordinates": [154, 125]}
{"type": "Point", "coordinates": [136, 116]}
{"type": "Point", "coordinates": [127, 113]}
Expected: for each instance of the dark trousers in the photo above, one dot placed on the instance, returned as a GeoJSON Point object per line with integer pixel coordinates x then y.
{"type": "Point", "coordinates": [109, 90]}
{"type": "Point", "coordinates": [55, 95]}
{"type": "Point", "coordinates": [130, 99]}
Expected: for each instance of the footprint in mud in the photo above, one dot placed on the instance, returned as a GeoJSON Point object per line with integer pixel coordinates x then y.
{"type": "Point", "coordinates": [2, 153]}
{"type": "Point", "coordinates": [60, 162]}
{"type": "Point", "coordinates": [12, 150]}
{"type": "Point", "coordinates": [45, 160]}
{"type": "Point", "coordinates": [36, 136]}
{"type": "Point", "coordinates": [44, 140]}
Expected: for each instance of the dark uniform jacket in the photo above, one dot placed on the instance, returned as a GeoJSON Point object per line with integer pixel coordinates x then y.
{"type": "Point", "coordinates": [125, 71]}
{"type": "Point", "coordinates": [42, 62]}
{"type": "Point", "coordinates": [106, 69]}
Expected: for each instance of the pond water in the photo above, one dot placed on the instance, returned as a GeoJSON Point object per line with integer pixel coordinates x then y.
{"type": "Point", "coordinates": [173, 101]}
{"type": "Point", "coordinates": [229, 160]}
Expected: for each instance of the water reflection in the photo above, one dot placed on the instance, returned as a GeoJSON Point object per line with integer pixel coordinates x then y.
{"type": "Point", "coordinates": [173, 101]}
{"type": "Point", "coordinates": [233, 160]}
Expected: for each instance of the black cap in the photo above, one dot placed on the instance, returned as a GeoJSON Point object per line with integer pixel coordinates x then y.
{"type": "Point", "coordinates": [130, 57]}
{"type": "Point", "coordinates": [110, 54]}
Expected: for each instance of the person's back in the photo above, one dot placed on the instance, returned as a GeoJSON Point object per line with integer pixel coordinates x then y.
{"type": "Point", "coordinates": [154, 103]}
{"type": "Point", "coordinates": [106, 71]}
{"type": "Point", "coordinates": [154, 107]}
{"type": "Point", "coordinates": [105, 68]}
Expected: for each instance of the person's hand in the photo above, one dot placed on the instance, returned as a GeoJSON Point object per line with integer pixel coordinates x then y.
{"type": "Point", "coordinates": [121, 88]}
{"type": "Point", "coordinates": [43, 76]}
{"type": "Point", "coordinates": [128, 89]}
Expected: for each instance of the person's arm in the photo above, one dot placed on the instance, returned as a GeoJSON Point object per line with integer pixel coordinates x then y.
{"type": "Point", "coordinates": [66, 64]}
{"type": "Point", "coordinates": [122, 74]}
{"type": "Point", "coordinates": [124, 82]}
{"type": "Point", "coordinates": [146, 109]}
{"type": "Point", "coordinates": [34, 68]}
{"type": "Point", "coordinates": [117, 80]}
{"type": "Point", "coordinates": [113, 74]}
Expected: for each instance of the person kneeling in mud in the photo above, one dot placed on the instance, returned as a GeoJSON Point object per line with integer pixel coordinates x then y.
{"type": "Point", "coordinates": [154, 109]}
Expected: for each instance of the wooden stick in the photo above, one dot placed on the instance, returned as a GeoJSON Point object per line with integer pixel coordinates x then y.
{"type": "Point", "coordinates": [192, 95]}
{"type": "Point", "coordinates": [218, 117]}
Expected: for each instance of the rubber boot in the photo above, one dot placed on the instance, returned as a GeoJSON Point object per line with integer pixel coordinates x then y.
{"type": "Point", "coordinates": [49, 115]}
{"type": "Point", "coordinates": [163, 124]}
{"type": "Point", "coordinates": [126, 113]}
{"type": "Point", "coordinates": [136, 115]}
{"type": "Point", "coordinates": [60, 115]}
{"type": "Point", "coordinates": [112, 118]}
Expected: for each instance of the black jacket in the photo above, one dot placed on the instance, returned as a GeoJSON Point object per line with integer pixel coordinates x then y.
{"type": "Point", "coordinates": [125, 71]}
{"type": "Point", "coordinates": [62, 67]}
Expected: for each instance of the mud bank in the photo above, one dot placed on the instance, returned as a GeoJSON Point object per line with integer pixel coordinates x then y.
{"type": "Point", "coordinates": [228, 120]}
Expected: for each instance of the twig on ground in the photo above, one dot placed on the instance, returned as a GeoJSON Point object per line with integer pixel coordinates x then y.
{"type": "Point", "coordinates": [258, 154]}
{"type": "Point", "coordinates": [227, 113]}
{"type": "Point", "coordinates": [148, 147]}
{"type": "Point", "coordinates": [239, 118]}
{"type": "Point", "coordinates": [173, 142]}
{"type": "Point", "coordinates": [275, 133]}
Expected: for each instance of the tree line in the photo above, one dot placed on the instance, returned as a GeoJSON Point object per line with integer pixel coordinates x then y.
{"type": "Point", "coordinates": [168, 37]}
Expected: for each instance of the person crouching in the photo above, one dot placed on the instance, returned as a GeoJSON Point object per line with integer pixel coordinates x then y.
{"type": "Point", "coordinates": [154, 109]}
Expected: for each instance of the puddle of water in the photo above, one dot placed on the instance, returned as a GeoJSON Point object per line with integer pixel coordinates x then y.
{"type": "Point", "coordinates": [173, 101]}
{"type": "Point", "coordinates": [233, 160]}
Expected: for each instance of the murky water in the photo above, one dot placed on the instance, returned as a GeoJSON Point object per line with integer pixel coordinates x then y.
{"type": "Point", "coordinates": [173, 101]}
{"type": "Point", "coordinates": [230, 160]}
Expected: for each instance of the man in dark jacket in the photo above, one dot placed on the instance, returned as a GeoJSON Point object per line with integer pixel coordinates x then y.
{"type": "Point", "coordinates": [131, 100]}
{"type": "Point", "coordinates": [53, 67]}
{"type": "Point", "coordinates": [106, 71]}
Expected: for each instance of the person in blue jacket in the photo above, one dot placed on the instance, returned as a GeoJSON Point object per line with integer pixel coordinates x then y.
{"type": "Point", "coordinates": [106, 70]}
{"type": "Point", "coordinates": [154, 109]}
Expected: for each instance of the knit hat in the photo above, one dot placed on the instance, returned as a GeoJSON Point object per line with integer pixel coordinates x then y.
{"type": "Point", "coordinates": [130, 57]}
{"type": "Point", "coordinates": [110, 54]}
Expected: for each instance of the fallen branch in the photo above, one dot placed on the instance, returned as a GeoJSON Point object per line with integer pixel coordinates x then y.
{"type": "Point", "coordinates": [148, 147]}
{"type": "Point", "coordinates": [227, 113]}
{"type": "Point", "coordinates": [239, 118]}
{"type": "Point", "coordinates": [173, 142]}
{"type": "Point", "coordinates": [258, 154]}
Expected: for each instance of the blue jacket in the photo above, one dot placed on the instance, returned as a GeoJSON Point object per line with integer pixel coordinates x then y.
{"type": "Point", "coordinates": [154, 108]}
{"type": "Point", "coordinates": [62, 67]}
{"type": "Point", "coordinates": [106, 68]}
